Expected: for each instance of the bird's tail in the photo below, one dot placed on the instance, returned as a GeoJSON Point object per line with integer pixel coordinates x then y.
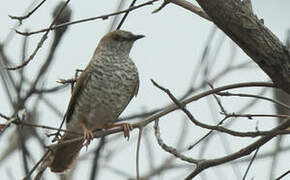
{"type": "Point", "coordinates": [64, 156]}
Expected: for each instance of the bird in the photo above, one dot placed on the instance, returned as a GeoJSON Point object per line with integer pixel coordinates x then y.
{"type": "Point", "coordinates": [100, 95]}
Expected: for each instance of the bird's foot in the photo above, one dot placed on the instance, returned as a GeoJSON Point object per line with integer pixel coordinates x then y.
{"type": "Point", "coordinates": [126, 128]}
{"type": "Point", "coordinates": [88, 135]}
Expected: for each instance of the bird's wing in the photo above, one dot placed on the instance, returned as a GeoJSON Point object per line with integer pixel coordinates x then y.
{"type": "Point", "coordinates": [133, 93]}
{"type": "Point", "coordinates": [80, 83]}
{"type": "Point", "coordinates": [136, 89]}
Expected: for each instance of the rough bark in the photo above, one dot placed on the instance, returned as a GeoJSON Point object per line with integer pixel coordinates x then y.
{"type": "Point", "coordinates": [256, 40]}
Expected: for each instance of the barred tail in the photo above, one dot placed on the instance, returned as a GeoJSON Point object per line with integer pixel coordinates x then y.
{"type": "Point", "coordinates": [64, 156]}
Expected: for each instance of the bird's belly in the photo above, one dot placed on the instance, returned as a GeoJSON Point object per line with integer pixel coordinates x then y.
{"type": "Point", "coordinates": [102, 101]}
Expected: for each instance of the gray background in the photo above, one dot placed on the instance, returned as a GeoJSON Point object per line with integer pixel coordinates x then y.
{"type": "Point", "coordinates": [172, 48]}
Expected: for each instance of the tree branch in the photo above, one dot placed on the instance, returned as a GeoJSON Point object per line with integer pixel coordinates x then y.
{"type": "Point", "coordinates": [257, 41]}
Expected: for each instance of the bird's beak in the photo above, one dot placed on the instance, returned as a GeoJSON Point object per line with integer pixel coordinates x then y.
{"type": "Point", "coordinates": [135, 37]}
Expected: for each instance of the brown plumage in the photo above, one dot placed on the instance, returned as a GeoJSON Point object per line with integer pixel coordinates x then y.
{"type": "Point", "coordinates": [101, 93]}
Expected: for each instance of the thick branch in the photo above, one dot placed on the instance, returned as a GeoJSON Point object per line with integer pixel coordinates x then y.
{"type": "Point", "coordinates": [241, 153]}
{"type": "Point", "coordinates": [256, 40]}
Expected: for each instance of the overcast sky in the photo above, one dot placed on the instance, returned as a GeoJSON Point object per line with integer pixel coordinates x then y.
{"type": "Point", "coordinates": [172, 48]}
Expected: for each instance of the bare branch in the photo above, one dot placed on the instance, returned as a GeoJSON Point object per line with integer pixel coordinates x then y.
{"type": "Point", "coordinates": [250, 116]}
{"type": "Point", "coordinates": [219, 128]}
{"type": "Point", "coordinates": [20, 18]}
{"type": "Point", "coordinates": [218, 101]}
{"type": "Point", "coordinates": [169, 149]}
{"type": "Point", "coordinates": [187, 5]}
{"type": "Point", "coordinates": [255, 96]}
{"type": "Point", "coordinates": [165, 2]}
{"type": "Point", "coordinates": [253, 37]}
{"type": "Point", "coordinates": [4, 117]}
{"type": "Point", "coordinates": [7, 124]}
{"type": "Point", "coordinates": [243, 152]}
{"type": "Point", "coordinates": [66, 81]}
{"type": "Point", "coordinates": [15, 121]}
{"type": "Point", "coordinates": [205, 136]}
{"type": "Point", "coordinates": [97, 154]}
{"type": "Point", "coordinates": [126, 14]}
{"type": "Point", "coordinates": [38, 176]}
{"type": "Point", "coordinates": [49, 90]}
{"type": "Point", "coordinates": [138, 153]}
{"type": "Point", "coordinates": [251, 162]}
{"type": "Point", "coordinates": [283, 175]}
{"type": "Point", "coordinates": [40, 43]}
{"type": "Point", "coordinates": [103, 17]}
{"type": "Point", "coordinates": [173, 107]}
{"type": "Point", "coordinates": [63, 17]}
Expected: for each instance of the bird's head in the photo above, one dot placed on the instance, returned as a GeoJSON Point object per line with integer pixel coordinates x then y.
{"type": "Point", "coordinates": [118, 41]}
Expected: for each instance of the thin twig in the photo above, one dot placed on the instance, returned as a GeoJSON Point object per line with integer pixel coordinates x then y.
{"type": "Point", "coordinates": [189, 100]}
{"type": "Point", "coordinates": [14, 120]}
{"type": "Point", "coordinates": [250, 164]}
{"type": "Point", "coordinates": [7, 79]}
{"type": "Point", "coordinates": [186, 94]}
{"type": "Point", "coordinates": [165, 2]}
{"type": "Point", "coordinates": [40, 43]}
{"type": "Point", "coordinates": [205, 136]}
{"type": "Point", "coordinates": [104, 17]}
{"type": "Point", "coordinates": [20, 18]}
{"type": "Point", "coordinates": [43, 127]}
{"type": "Point", "coordinates": [250, 116]}
{"type": "Point", "coordinates": [46, 154]}
{"type": "Point", "coordinates": [7, 124]}
{"type": "Point", "coordinates": [58, 34]}
{"type": "Point", "coordinates": [114, 21]}
{"type": "Point", "coordinates": [138, 153]}
{"type": "Point", "coordinates": [196, 97]}
{"type": "Point", "coordinates": [25, 152]}
{"type": "Point", "coordinates": [97, 154]}
{"type": "Point", "coordinates": [66, 81]}
{"type": "Point", "coordinates": [218, 100]}
{"type": "Point", "coordinates": [187, 5]}
{"type": "Point", "coordinates": [49, 90]}
{"type": "Point", "coordinates": [126, 14]}
{"type": "Point", "coordinates": [21, 72]}
{"type": "Point", "coordinates": [283, 175]}
{"type": "Point", "coordinates": [247, 106]}
{"type": "Point", "coordinates": [4, 116]}
{"type": "Point", "coordinates": [169, 149]}
{"type": "Point", "coordinates": [149, 150]}
{"type": "Point", "coordinates": [244, 152]}
{"type": "Point", "coordinates": [261, 156]}
{"type": "Point", "coordinates": [181, 105]}
{"type": "Point", "coordinates": [254, 96]}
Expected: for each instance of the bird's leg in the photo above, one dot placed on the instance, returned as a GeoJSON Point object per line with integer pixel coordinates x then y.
{"type": "Point", "coordinates": [88, 134]}
{"type": "Point", "coordinates": [126, 128]}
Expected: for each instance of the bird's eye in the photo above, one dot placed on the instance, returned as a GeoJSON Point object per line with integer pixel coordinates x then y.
{"type": "Point", "coordinates": [119, 38]}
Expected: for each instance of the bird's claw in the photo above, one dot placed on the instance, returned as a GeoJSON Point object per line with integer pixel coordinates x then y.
{"type": "Point", "coordinates": [127, 128]}
{"type": "Point", "coordinates": [88, 137]}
